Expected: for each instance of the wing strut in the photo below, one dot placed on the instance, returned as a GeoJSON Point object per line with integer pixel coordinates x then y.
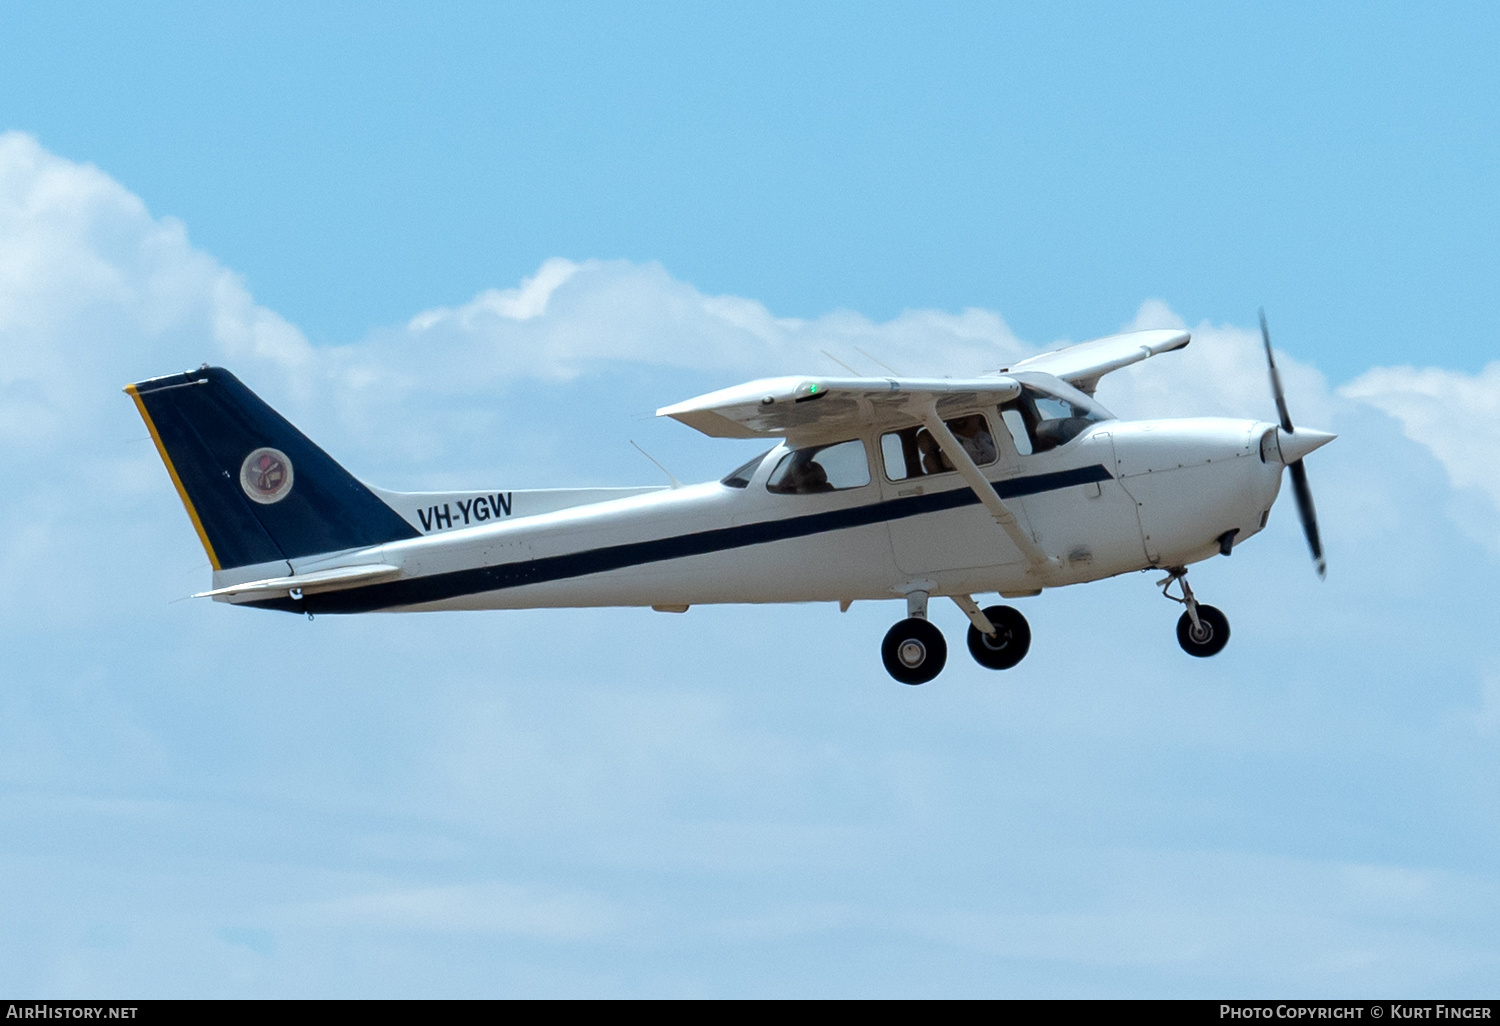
{"type": "Point", "coordinates": [959, 457]}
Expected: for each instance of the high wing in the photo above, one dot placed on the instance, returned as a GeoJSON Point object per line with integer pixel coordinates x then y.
{"type": "Point", "coordinates": [1084, 364]}
{"type": "Point", "coordinates": [776, 407]}
{"type": "Point", "coordinates": [810, 407]}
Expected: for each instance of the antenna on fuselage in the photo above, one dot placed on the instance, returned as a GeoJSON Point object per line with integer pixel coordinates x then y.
{"type": "Point", "coordinates": [675, 483]}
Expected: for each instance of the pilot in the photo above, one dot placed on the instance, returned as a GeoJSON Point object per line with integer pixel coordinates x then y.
{"type": "Point", "coordinates": [974, 435]}
{"type": "Point", "coordinates": [810, 477]}
{"type": "Point", "coordinates": [804, 476]}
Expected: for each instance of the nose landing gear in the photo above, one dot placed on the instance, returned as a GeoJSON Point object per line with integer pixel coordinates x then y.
{"type": "Point", "coordinates": [1201, 631]}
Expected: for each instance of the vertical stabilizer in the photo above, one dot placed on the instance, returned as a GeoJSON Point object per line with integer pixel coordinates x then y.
{"type": "Point", "coordinates": [255, 488]}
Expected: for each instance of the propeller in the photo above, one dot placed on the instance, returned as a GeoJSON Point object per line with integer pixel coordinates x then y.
{"type": "Point", "coordinates": [1296, 444]}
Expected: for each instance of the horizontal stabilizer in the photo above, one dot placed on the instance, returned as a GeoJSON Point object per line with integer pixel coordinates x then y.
{"type": "Point", "coordinates": [336, 579]}
{"type": "Point", "coordinates": [1084, 364]}
{"type": "Point", "coordinates": [775, 407]}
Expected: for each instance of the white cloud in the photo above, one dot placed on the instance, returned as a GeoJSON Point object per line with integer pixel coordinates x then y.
{"type": "Point", "coordinates": [95, 292]}
{"type": "Point", "coordinates": [522, 303]}
{"type": "Point", "coordinates": [1455, 415]}
{"type": "Point", "coordinates": [1222, 372]}
{"type": "Point", "coordinates": [572, 318]}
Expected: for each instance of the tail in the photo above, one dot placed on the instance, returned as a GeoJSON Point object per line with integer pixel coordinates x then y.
{"type": "Point", "coordinates": [256, 489]}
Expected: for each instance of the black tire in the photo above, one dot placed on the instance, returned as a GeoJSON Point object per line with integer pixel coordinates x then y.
{"type": "Point", "coordinates": [1007, 646]}
{"type": "Point", "coordinates": [914, 651]}
{"type": "Point", "coordinates": [1213, 636]}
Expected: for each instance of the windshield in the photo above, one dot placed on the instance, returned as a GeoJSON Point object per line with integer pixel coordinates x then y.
{"type": "Point", "coordinates": [740, 476]}
{"type": "Point", "coordinates": [1040, 420]}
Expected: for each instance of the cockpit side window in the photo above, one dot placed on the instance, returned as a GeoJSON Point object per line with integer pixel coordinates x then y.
{"type": "Point", "coordinates": [1039, 421]}
{"type": "Point", "coordinates": [913, 452]}
{"type": "Point", "coordinates": [740, 478]}
{"type": "Point", "coordinates": [821, 468]}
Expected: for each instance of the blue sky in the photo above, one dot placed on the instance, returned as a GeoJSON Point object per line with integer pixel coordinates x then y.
{"type": "Point", "coordinates": [478, 245]}
{"type": "Point", "coordinates": [358, 162]}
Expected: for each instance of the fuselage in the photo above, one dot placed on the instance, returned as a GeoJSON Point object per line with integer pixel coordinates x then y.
{"type": "Point", "coordinates": [1120, 496]}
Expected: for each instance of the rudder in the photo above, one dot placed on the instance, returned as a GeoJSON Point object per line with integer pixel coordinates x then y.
{"type": "Point", "coordinates": [255, 488]}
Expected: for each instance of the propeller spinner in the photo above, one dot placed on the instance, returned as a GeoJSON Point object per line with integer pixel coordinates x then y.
{"type": "Point", "coordinates": [1294, 445]}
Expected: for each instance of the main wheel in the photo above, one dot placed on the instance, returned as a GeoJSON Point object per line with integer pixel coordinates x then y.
{"type": "Point", "coordinates": [1211, 635]}
{"type": "Point", "coordinates": [1007, 646]}
{"type": "Point", "coordinates": [914, 651]}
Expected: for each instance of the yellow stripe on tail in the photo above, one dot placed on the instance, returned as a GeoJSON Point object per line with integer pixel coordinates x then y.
{"type": "Point", "coordinates": [176, 481]}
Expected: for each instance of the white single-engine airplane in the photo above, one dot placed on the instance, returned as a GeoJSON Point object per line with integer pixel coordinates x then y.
{"type": "Point", "coordinates": [877, 488]}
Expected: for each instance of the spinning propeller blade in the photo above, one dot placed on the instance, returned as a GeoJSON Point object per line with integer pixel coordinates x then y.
{"type": "Point", "coordinates": [1305, 509]}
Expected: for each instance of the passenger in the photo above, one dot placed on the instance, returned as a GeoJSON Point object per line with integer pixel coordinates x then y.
{"type": "Point", "coordinates": [974, 435]}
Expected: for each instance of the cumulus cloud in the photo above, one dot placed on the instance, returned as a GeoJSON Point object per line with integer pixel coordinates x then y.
{"type": "Point", "coordinates": [233, 736]}
{"type": "Point", "coordinates": [571, 318]}
{"type": "Point", "coordinates": [95, 291]}
{"type": "Point", "coordinates": [1455, 415]}
{"type": "Point", "coordinates": [1222, 372]}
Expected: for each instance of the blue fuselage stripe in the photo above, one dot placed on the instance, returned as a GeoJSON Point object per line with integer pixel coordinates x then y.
{"type": "Point", "coordinates": [456, 583]}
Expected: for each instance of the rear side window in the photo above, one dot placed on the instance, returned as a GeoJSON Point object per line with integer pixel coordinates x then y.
{"type": "Point", "coordinates": [913, 452]}
{"type": "Point", "coordinates": [821, 468]}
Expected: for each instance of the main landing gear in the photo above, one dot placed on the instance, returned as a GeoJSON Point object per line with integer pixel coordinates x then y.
{"type": "Point", "coordinates": [914, 651]}
{"type": "Point", "coordinates": [1201, 631]}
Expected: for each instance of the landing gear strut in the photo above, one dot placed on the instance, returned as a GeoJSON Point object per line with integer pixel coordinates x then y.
{"type": "Point", "coordinates": [914, 650]}
{"type": "Point", "coordinates": [1201, 631]}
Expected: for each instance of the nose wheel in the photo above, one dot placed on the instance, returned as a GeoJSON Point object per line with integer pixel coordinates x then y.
{"type": "Point", "coordinates": [1202, 630]}
{"type": "Point", "coordinates": [1206, 637]}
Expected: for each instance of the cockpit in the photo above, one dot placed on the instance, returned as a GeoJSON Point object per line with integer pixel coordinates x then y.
{"type": "Point", "coordinates": [1040, 420]}
{"type": "Point", "coordinates": [821, 468]}
{"type": "Point", "coordinates": [810, 470]}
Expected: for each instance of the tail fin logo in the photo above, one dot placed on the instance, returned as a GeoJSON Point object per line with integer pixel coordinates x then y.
{"type": "Point", "coordinates": [266, 476]}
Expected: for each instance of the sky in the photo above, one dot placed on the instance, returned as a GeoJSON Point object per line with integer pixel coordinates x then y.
{"type": "Point", "coordinates": [478, 245]}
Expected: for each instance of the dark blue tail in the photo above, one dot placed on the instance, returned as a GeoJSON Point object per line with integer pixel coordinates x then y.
{"type": "Point", "coordinates": [255, 487]}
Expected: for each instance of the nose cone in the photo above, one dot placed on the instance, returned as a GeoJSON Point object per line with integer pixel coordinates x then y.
{"type": "Point", "coordinates": [1297, 444]}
